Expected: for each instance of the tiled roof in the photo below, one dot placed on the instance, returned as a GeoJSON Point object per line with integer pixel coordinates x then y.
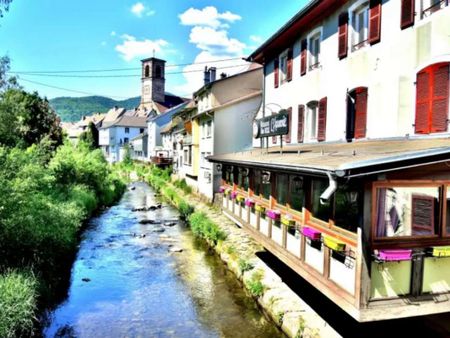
{"type": "Point", "coordinates": [127, 121]}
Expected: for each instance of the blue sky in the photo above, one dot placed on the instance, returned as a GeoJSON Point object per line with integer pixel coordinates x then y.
{"type": "Point", "coordinates": [50, 35]}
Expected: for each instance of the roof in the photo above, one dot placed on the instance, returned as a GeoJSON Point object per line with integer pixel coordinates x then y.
{"type": "Point", "coordinates": [173, 110]}
{"type": "Point", "coordinates": [96, 118]}
{"type": "Point", "coordinates": [166, 128]}
{"type": "Point", "coordinates": [345, 159]}
{"type": "Point", "coordinates": [113, 114]}
{"type": "Point", "coordinates": [127, 121]}
{"type": "Point", "coordinates": [170, 101]}
{"type": "Point", "coordinates": [308, 16]}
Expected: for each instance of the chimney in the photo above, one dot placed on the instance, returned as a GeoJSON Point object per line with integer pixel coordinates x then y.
{"type": "Point", "coordinates": [212, 74]}
{"type": "Point", "coordinates": [206, 76]}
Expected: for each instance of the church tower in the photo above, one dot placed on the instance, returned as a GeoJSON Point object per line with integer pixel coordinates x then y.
{"type": "Point", "coordinates": [153, 82]}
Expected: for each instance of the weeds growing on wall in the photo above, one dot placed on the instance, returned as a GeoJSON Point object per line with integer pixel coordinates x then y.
{"type": "Point", "coordinates": [203, 227]}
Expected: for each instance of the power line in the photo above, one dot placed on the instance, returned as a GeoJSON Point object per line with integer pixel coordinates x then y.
{"type": "Point", "coordinates": [119, 69]}
{"type": "Point", "coordinates": [116, 76]}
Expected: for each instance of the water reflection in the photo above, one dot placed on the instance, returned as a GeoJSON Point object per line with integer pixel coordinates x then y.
{"type": "Point", "coordinates": [127, 283]}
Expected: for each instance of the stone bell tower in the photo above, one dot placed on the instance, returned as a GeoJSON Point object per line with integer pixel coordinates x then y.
{"type": "Point", "coordinates": [153, 82]}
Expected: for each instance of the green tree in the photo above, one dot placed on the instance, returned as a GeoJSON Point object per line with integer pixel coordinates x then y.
{"type": "Point", "coordinates": [4, 6]}
{"type": "Point", "coordinates": [90, 136]}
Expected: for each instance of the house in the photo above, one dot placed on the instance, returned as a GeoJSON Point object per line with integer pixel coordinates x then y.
{"type": "Point", "coordinates": [117, 130]}
{"type": "Point", "coordinates": [139, 147]}
{"type": "Point", "coordinates": [226, 108]}
{"type": "Point", "coordinates": [348, 180]}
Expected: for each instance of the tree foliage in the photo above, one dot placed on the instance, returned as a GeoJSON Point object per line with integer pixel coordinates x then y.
{"type": "Point", "coordinates": [4, 6]}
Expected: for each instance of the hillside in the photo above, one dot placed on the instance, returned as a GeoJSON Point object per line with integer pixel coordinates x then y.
{"type": "Point", "coordinates": [71, 109]}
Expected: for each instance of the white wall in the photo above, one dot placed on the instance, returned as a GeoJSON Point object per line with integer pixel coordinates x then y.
{"type": "Point", "coordinates": [387, 68]}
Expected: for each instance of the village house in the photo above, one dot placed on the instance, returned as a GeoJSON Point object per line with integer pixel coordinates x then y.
{"type": "Point", "coordinates": [348, 182]}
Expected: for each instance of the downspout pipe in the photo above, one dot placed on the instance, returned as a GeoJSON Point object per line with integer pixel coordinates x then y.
{"type": "Point", "coordinates": [324, 198]}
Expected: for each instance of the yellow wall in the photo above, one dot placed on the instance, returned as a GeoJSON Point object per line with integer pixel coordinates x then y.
{"type": "Point", "coordinates": [390, 279]}
{"type": "Point", "coordinates": [195, 149]}
{"type": "Point", "coordinates": [436, 277]}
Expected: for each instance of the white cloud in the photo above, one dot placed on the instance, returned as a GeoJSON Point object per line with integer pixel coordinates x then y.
{"type": "Point", "coordinates": [113, 33]}
{"type": "Point", "coordinates": [132, 48]}
{"type": "Point", "coordinates": [216, 42]}
{"type": "Point", "coordinates": [256, 38]}
{"type": "Point", "coordinates": [208, 16]}
{"type": "Point", "coordinates": [140, 10]}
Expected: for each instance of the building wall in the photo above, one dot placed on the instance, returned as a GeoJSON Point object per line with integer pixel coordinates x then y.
{"type": "Point", "coordinates": [387, 68]}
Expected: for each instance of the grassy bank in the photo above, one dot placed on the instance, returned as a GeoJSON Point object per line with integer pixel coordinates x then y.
{"type": "Point", "coordinates": [46, 197]}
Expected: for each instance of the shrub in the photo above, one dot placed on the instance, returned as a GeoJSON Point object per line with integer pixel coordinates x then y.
{"type": "Point", "coordinates": [181, 184]}
{"type": "Point", "coordinates": [245, 265]}
{"type": "Point", "coordinates": [17, 304]}
{"type": "Point", "coordinates": [254, 284]}
{"type": "Point", "coordinates": [185, 209]}
{"type": "Point", "coordinates": [203, 227]}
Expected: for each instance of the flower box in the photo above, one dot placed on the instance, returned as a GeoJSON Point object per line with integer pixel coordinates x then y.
{"type": "Point", "coordinates": [260, 208]}
{"type": "Point", "coordinates": [333, 243]}
{"type": "Point", "coordinates": [227, 191]}
{"type": "Point", "coordinates": [440, 251]}
{"type": "Point", "coordinates": [273, 214]}
{"type": "Point", "coordinates": [394, 255]}
{"type": "Point", "coordinates": [222, 189]}
{"type": "Point", "coordinates": [233, 195]}
{"type": "Point", "coordinates": [311, 233]}
{"type": "Point", "coordinates": [249, 202]}
{"type": "Point", "coordinates": [287, 220]}
{"type": "Point", "coordinates": [240, 198]}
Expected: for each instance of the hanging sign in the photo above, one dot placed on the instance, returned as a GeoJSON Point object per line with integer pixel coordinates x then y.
{"type": "Point", "coordinates": [272, 125]}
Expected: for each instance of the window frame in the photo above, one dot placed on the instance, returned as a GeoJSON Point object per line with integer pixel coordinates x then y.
{"type": "Point", "coordinates": [311, 106]}
{"type": "Point", "coordinates": [313, 54]}
{"type": "Point", "coordinates": [357, 8]}
{"type": "Point", "coordinates": [431, 8]}
{"type": "Point", "coordinates": [283, 67]}
{"type": "Point", "coordinates": [439, 238]}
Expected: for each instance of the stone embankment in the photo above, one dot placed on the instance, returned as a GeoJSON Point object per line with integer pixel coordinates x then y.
{"type": "Point", "coordinates": [238, 251]}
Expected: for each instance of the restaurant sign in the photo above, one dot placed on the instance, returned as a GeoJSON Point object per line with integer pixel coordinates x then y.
{"type": "Point", "coordinates": [272, 125]}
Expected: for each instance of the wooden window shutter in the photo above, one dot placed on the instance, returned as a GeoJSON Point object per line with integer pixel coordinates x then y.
{"type": "Point", "coordinates": [303, 52]}
{"type": "Point", "coordinates": [287, 137]}
{"type": "Point", "coordinates": [322, 123]}
{"type": "Point", "coordinates": [290, 56]}
{"type": "Point", "coordinates": [439, 100]}
{"type": "Point", "coordinates": [276, 72]}
{"type": "Point", "coordinates": [274, 138]}
{"type": "Point", "coordinates": [374, 21]}
{"type": "Point", "coordinates": [361, 113]}
{"type": "Point", "coordinates": [300, 123]}
{"type": "Point", "coordinates": [422, 209]}
{"type": "Point", "coordinates": [407, 13]}
{"type": "Point", "coordinates": [423, 98]}
{"type": "Point", "coordinates": [343, 35]}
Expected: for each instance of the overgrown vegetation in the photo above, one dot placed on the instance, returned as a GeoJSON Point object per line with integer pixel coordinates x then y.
{"type": "Point", "coordinates": [47, 190]}
{"type": "Point", "coordinates": [245, 265]}
{"type": "Point", "coordinates": [203, 227]}
{"type": "Point", "coordinates": [254, 283]}
{"type": "Point", "coordinates": [181, 184]}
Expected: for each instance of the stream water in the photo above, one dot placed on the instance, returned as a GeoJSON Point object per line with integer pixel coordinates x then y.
{"type": "Point", "coordinates": [126, 282]}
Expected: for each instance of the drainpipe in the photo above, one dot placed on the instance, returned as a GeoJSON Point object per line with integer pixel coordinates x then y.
{"type": "Point", "coordinates": [330, 190]}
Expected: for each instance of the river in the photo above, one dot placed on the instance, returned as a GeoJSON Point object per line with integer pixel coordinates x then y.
{"type": "Point", "coordinates": [126, 282]}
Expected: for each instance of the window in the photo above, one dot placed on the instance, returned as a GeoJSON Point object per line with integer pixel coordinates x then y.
{"type": "Point", "coordinates": [158, 72]}
{"type": "Point", "coordinates": [360, 18]}
{"type": "Point", "coordinates": [209, 129]}
{"type": "Point", "coordinates": [348, 206]}
{"type": "Point", "coordinates": [261, 187]}
{"type": "Point", "coordinates": [432, 99]}
{"type": "Point", "coordinates": [407, 211]}
{"type": "Point", "coordinates": [283, 67]}
{"type": "Point", "coordinates": [141, 130]}
{"type": "Point", "coordinates": [127, 130]}
{"type": "Point", "coordinates": [243, 178]}
{"type": "Point", "coordinates": [320, 210]}
{"type": "Point", "coordinates": [314, 51]}
{"type": "Point", "coordinates": [126, 140]}
{"type": "Point", "coordinates": [431, 6]}
{"type": "Point", "coordinates": [300, 123]}
{"type": "Point", "coordinates": [296, 192]}
{"type": "Point", "coordinates": [147, 71]}
{"type": "Point", "coordinates": [311, 121]}
{"type": "Point", "coordinates": [282, 188]}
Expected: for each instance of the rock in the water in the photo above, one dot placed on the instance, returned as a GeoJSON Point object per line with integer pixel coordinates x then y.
{"type": "Point", "coordinates": [147, 221]}
{"type": "Point", "coordinates": [169, 224]}
{"type": "Point", "coordinates": [158, 229]}
{"type": "Point", "coordinates": [85, 279]}
{"type": "Point", "coordinates": [139, 209]}
{"type": "Point", "coordinates": [175, 249]}
{"type": "Point", "coordinates": [132, 188]}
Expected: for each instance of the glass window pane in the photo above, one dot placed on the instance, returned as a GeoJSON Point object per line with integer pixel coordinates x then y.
{"type": "Point", "coordinates": [297, 192]}
{"type": "Point", "coordinates": [407, 211]}
{"type": "Point", "coordinates": [257, 180]}
{"type": "Point", "coordinates": [319, 210]}
{"type": "Point", "coordinates": [348, 213]}
{"type": "Point", "coordinates": [282, 188]}
{"type": "Point", "coordinates": [447, 227]}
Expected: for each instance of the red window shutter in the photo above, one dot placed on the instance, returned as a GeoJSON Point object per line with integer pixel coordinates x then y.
{"type": "Point", "coordinates": [276, 72]}
{"type": "Point", "coordinates": [289, 64]}
{"type": "Point", "coordinates": [303, 57]}
{"type": "Point", "coordinates": [274, 138]}
{"type": "Point", "coordinates": [422, 214]}
{"type": "Point", "coordinates": [439, 100]}
{"type": "Point", "coordinates": [301, 123]}
{"type": "Point", "coordinates": [287, 137]}
{"type": "Point", "coordinates": [343, 35]}
{"type": "Point", "coordinates": [374, 21]}
{"type": "Point", "coordinates": [322, 123]}
{"type": "Point", "coordinates": [407, 14]}
{"type": "Point", "coordinates": [423, 99]}
{"type": "Point", "coordinates": [361, 113]}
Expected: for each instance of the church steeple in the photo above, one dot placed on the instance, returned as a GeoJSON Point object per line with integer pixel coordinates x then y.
{"type": "Point", "coordinates": [153, 81]}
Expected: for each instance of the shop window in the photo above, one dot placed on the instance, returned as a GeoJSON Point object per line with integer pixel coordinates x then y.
{"type": "Point", "coordinates": [407, 211]}
{"type": "Point", "coordinates": [320, 210]}
{"type": "Point", "coordinates": [347, 208]}
{"type": "Point", "coordinates": [296, 192]}
{"type": "Point", "coordinates": [282, 188]}
{"type": "Point", "coordinates": [432, 99]}
{"type": "Point", "coordinates": [243, 178]}
{"type": "Point", "coordinates": [263, 186]}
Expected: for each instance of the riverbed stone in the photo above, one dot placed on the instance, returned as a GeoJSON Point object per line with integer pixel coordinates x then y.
{"type": "Point", "coordinates": [175, 249]}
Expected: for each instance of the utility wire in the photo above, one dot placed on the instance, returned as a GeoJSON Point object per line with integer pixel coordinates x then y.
{"type": "Point", "coordinates": [120, 69]}
{"type": "Point", "coordinates": [115, 76]}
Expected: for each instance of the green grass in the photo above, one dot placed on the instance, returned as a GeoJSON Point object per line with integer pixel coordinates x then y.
{"type": "Point", "coordinates": [17, 304]}
{"type": "Point", "coordinates": [255, 285]}
{"type": "Point", "coordinates": [203, 227]}
{"type": "Point", "coordinates": [245, 265]}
